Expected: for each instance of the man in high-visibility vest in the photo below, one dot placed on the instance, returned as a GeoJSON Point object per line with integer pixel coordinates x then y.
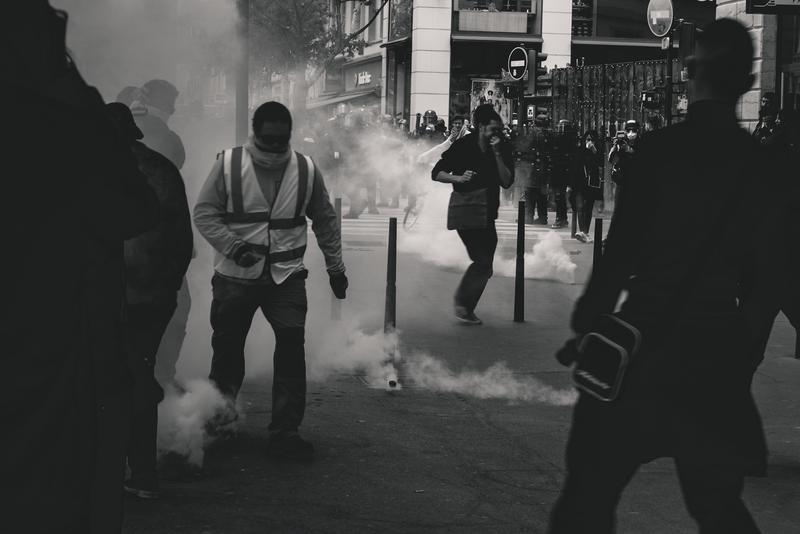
{"type": "Point", "coordinates": [252, 210]}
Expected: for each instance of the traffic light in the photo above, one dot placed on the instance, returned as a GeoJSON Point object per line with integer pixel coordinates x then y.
{"type": "Point", "coordinates": [536, 69]}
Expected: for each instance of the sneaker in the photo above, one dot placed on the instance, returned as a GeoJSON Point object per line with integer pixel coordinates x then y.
{"type": "Point", "coordinates": [583, 238]}
{"type": "Point", "coordinates": [466, 316]}
{"type": "Point", "coordinates": [559, 224]}
{"type": "Point", "coordinates": [540, 222]}
{"type": "Point", "coordinates": [142, 489]}
{"type": "Point", "coordinates": [290, 447]}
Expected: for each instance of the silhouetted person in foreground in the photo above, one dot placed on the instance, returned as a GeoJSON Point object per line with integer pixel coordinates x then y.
{"type": "Point", "coordinates": [153, 105]}
{"type": "Point", "coordinates": [64, 404]}
{"type": "Point", "coordinates": [686, 394]}
{"type": "Point", "coordinates": [155, 264]}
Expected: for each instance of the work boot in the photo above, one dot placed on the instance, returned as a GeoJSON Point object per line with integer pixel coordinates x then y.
{"type": "Point", "coordinates": [467, 316]}
{"type": "Point", "coordinates": [290, 446]}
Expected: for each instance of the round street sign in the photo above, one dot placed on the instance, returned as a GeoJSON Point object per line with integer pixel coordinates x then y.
{"type": "Point", "coordinates": [659, 17]}
{"type": "Point", "coordinates": [517, 63]}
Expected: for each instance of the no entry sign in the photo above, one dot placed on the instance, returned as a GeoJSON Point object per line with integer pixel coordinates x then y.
{"type": "Point", "coordinates": [659, 17]}
{"type": "Point", "coordinates": [518, 63]}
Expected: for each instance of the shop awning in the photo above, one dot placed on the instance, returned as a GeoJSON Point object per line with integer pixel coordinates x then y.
{"type": "Point", "coordinates": [495, 37]}
{"type": "Point", "coordinates": [615, 41]}
{"type": "Point", "coordinates": [338, 99]}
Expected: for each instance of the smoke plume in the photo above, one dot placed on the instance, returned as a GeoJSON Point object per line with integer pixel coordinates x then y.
{"type": "Point", "coordinates": [429, 239]}
{"type": "Point", "coordinates": [497, 382]}
{"type": "Point", "coordinates": [183, 416]}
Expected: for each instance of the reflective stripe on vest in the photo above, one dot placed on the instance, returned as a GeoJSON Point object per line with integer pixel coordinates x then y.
{"type": "Point", "coordinates": [279, 230]}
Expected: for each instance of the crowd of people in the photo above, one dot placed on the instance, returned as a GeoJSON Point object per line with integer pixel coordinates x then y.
{"type": "Point", "coordinates": [111, 210]}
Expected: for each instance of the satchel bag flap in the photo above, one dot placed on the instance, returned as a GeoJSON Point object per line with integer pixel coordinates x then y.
{"type": "Point", "coordinates": [601, 367]}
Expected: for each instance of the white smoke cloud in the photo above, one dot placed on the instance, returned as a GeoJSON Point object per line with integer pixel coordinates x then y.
{"type": "Point", "coordinates": [429, 239]}
{"type": "Point", "coordinates": [496, 382]}
{"type": "Point", "coordinates": [182, 419]}
{"type": "Point", "coordinates": [346, 348]}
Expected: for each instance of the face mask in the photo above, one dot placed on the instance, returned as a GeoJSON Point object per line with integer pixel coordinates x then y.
{"type": "Point", "coordinates": [632, 135]}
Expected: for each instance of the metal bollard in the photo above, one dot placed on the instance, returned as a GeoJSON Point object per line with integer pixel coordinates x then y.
{"type": "Point", "coordinates": [519, 279]}
{"type": "Point", "coordinates": [336, 304]}
{"type": "Point", "coordinates": [390, 314]}
{"type": "Point", "coordinates": [797, 344]}
{"type": "Point", "coordinates": [597, 255]}
{"type": "Point", "coordinates": [574, 223]}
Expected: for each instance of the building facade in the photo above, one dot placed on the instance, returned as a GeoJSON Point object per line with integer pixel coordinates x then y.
{"type": "Point", "coordinates": [448, 55]}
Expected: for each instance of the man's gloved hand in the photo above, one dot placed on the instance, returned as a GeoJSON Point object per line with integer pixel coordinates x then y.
{"type": "Point", "coordinates": [339, 285]}
{"type": "Point", "coordinates": [245, 255]}
{"type": "Point", "coordinates": [568, 354]}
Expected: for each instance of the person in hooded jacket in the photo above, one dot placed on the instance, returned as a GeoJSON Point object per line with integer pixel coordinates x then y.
{"type": "Point", "coordinates": [153, 107]}
{"type": "Point", "coordinates": [155, 264]}
{"type": "Point", "coordinates": [65, 404]}
{"type": "Point", "coordinates": [154, 104]}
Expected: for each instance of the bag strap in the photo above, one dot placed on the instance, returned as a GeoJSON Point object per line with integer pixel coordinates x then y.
{"type": "Point", "coordinates": [236, 181]}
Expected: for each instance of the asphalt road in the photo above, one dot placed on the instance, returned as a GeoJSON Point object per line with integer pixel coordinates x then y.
{"type": "Point", "coordinates": [417, 460]}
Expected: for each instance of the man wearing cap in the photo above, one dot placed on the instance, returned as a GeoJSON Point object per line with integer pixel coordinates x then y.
{"type": "Point", "coordinates": [155, 264]}
{"type": "Point", "coordinates": [152, 109]}
{"type": "Point", "coordinates": [252, 210]}
{"type": "Point", "coordinates": [154, 104]}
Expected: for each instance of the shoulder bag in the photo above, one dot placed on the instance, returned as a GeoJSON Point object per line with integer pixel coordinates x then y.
{"type": "Point", "coordinates": [604, 353]}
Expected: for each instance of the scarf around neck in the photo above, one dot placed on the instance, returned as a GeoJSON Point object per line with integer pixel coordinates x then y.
{"type": "Point", "coordinates": [269, 160]}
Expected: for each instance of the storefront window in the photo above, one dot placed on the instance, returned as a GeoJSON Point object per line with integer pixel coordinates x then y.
{"type": "Point", "coordinates": [399, 19]}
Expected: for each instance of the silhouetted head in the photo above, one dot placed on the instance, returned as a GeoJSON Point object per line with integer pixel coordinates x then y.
{"type": "Point", "coordinates": [128, 95]}
{"type": "Point", "coordinates": [721, 67]}
{"type": "Point", "coordinates": [32, 41]}
{"type": "Point", "coordinates": [159, 94]}
{"type": "Point", "coordinates": [272, 127]}
{"type": "Point", "coordinates": [122, 118]}
{"type": "Point", "coordinates": [487, 122]}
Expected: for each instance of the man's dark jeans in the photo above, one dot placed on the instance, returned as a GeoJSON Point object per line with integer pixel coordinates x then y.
{"type": "Point", "coordinates": [144, 328]}
{"type": "Point", "coordinates": [560, 194]}
{"type": "Point", "coordinates": [284, 307]}
{"type": "Point", "coordinates": [481, 245]}
{"type": "Point", "coordinates": [536, 202]}
{"type": "Point", "coordinates": [171, 343]}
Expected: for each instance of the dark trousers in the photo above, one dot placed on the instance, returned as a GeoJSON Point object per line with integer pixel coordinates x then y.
{"type": "Point", "coordinates": [560, 194]}
{"type": "Point", "coordinates": [582, 204]}
{"type": "Point", "coordinates": [171, 343]}
{"type": "Point", "coordinates": [144, 329]}
{"type": "Point", "coordinates": [481, 245]}
{"type": "Point", "coordinates": [536, 202]}
{"type": "Point", "coordinates": [602, 459]}
{"type": "Point", "coordinates": [284, 307]}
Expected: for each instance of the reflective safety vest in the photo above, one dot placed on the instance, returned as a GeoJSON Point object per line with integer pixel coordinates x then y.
{"type": "Point", "coordinates": [280, 231]}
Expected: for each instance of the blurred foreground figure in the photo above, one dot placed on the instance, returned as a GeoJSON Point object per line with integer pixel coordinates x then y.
{"type": "Point", "coordinates": [252, 210]}
{"type": "Point", "coordinates": [79, 196]}
{"type": "Point", "coordinates": [154, 104]}
{"type": "Point", "coordinates": [155, 264]}
{"type": "Point", "coordinates": [477, 165]}
{"type": "Point", "coordinates": [686, 393]}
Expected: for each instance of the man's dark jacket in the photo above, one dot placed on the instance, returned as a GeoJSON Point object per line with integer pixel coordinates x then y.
{"type": "Point", "coordinates": [688, 392]}
{"type": "Point", "coordinates": [72, 194]}
{"type": "Point", "coordinates": [159, 137]}
{"type": "Point", "coordinates": [156, 261]}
